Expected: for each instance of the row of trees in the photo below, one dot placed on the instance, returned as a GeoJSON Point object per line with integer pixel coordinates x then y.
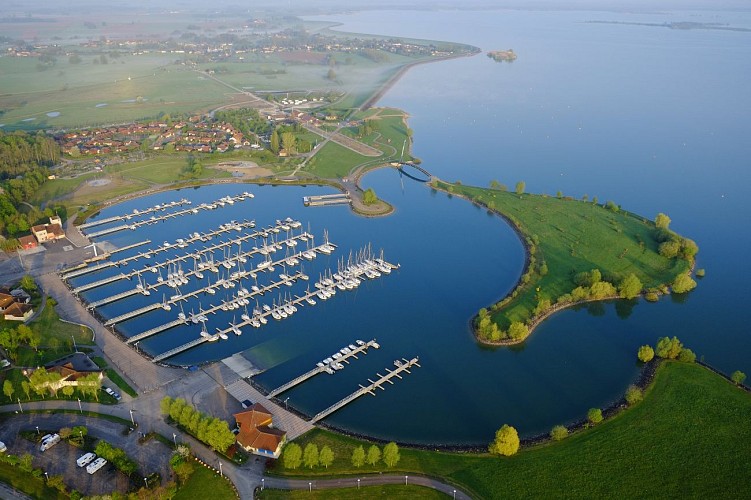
{"type": "Point", "coordinates": [13, 338]}
{"type": "Point", "coordinates": [666, 348]}
{"type": "Point", "coordinates": [294, 456]}
{"type": "Point", "coordinates": [210, 430]}
{"type": "Point", "coordinates": [116, 456]}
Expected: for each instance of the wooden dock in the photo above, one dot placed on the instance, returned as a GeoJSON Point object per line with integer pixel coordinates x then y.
{"type": "Point", "coordinates": [320, 369]}
{"type": "Point", "coordinates": [326, 199]}
{"type": "Point", "coordinates": [135, 213]}
{"type": "Point", "coordinates": [402, 366]}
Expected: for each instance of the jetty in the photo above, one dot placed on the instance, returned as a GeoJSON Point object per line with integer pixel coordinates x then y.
{"type": "Point", "coordinates": [171, 215]}
{"type": "Point", "coordinates": [402, 366]}
{"type": "Point", "coordinates": [135, 213]}
{"type": "Point", "coordinates": [361, 348]}
{"type": "Point", "coordinates": [326, 199]}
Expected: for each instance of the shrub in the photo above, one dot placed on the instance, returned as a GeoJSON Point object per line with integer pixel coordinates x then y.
{"type": "Point", "coordinates": [594, 415]}
{"type": "Point", "coordinates": [558, 433]}
{"type": "Point", "coordinates": [738, 377]}
{"type": "Point", "coordinates": [506, 441]}
{"type": "Point", "coordinates": [633, 395]}
{"type": "Point", "coordinates": [646, 353]}
{"type": "Point", "coordinates": [686, 355]}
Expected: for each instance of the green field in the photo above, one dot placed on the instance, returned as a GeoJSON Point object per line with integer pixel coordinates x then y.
{"type": "Point", "coordinates": [204, 483]}
{"type": "Point", "coordinates": [56, 332]}
{"type": "Point", "coordinates": [688, 438]}
{"type": "Point", "coordinates": [25, 482]}
{"type": "Point", "coordinates": [575, 236]}
{"type": "Point", "coordinates": [390, 491]}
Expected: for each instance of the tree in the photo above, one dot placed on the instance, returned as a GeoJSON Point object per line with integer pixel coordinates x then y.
{"type": "Point", "coordinates": [520, 187]}
{"type": "Point", "coordinates": [289, 142]}
{"type": "Point", "coordinates": [331, 75]}
{"type": "Point", "coordinates": [518, 331]}
{"type": "Point", "coordinates": [369, 197]}
{"type": "Point", "coordinates": [274, 143]}
{"type": "Point", "coordinates": [8, 389]}
{"type": "Point", "coordinates": [358, 456]}
{"type": "Point", "coordinates": [292, 456]}
{"type": "Point", "coordinates": [683, 283]}
{"type": "Point", "coordinates": [374, 455]}
{"type": "Point", "coordinates": [668, 348]}
{"type": "Point", "coordinates": [689, 248]}
{"type": "Point", "coordinates": [630, 287]}
{"type": "Point", "coordinates": [391, 454]}
{"type": "Point", "coordinates": [633, 395]}
{"type": "Point", "coordinates": [646, 353]}
{"type": "Point", "coordinates": [183, 470]}
{"type": "Point", "coordinates": [28, 283]}
{"type": "Point", "coordinates": [594, 415]}
{"type": "Point", "coordinates": [669, 249]}
{"type": "Point", "coordinates": [497, 186]}
{"type": "Point", "coordinates": [738, 377]}
{"type": "Point", "coordinates": [164, 405]}
{"type": "Point", "coordinates": [326, 456]}
{"type": "Point", "coordinates": [558, 433]}
{"type": "Point", "coordinates": [662, 221]}
{"type": "Point", "coordinates": [506, 441]}
{"type": "Point", "coordinates": [687, 355]}
{"type": "Point", "coordinates": [611, 205]}
{"type": "Point", "coordinates": [310, 455]}
{"type": "Point", "coordinates": [26, 388]}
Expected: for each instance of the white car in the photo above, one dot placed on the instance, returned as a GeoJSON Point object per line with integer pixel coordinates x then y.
{"type": "Point", "coordinates": [3, 448]}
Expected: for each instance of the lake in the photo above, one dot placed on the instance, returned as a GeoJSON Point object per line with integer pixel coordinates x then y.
{"type": "Point", "coordinates": [650, 117]}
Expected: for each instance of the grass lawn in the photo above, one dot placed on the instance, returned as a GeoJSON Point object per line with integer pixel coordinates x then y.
{"type": "Point", "coordinates": [390, 491]}
{"type": "Point", "coordinates": [25, 482]}
{"type": "Point", "coordinates": [688, 438]}
{"type": "Point", "coordinates": [56, 332]}
{"type": "Point", "coordinates": [204, 483]}
{"type": "Point", "coordinates": [334, 160]}
{"type": "Point", "coordinates": [576, 236]}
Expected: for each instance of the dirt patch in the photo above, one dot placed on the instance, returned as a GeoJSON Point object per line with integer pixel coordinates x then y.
{"type": "Point", "coordinates": [98, 182]}
{"type": "Point", "coordinates": [247, 169]}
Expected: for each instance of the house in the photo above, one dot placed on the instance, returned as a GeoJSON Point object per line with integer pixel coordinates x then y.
{"type": "Point", "coordinates": [257, 434]}
{"type": "Point", "coordinates": [27, 242]}
{"type": "Point", "coordinates": [6, 300]}
{"type": "Point", "coordinates": [49, 232]}
{"type": "Point", "coordinates": [21, 296]}
{"type": "Point", "coordinates": [73, 367]}
{"type": "Point", "coordinates": [18, 312]}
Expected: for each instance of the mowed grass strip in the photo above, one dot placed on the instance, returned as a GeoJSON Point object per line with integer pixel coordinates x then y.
{"type": "Point", "coordinates": [576, 236]}
{"type": "Point", "coordinates": [688, 438]}
{"type": "Point", "coordinates": [390, 491]}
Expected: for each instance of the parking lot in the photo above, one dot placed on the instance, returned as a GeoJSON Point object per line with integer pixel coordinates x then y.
{"type": "Point", "coordinates": [152, 456]}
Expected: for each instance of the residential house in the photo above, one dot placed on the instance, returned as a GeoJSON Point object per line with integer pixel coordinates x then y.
{"type": "Point", "coordinates": [18, 312]}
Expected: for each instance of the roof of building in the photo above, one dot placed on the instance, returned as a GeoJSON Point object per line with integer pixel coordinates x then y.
{"type": "Point", "coordinates": [256, 415]}
{"type": "Point", "coordinates": [6, 300]}
{"type": "Point", "coordinates": [261, 438]}
{"type": "Point", "coordinates": [27, 240]}
{"type": "Point", "coordinates": [73, 366]}
{"type": "Point", "coordinates": [17, 310]}
{"type": "Point", "coordinates": [41, 228]}
{"type": "Point", "coordinates": [56, 229]}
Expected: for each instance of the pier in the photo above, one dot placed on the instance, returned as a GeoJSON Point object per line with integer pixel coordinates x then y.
{"type": "Point", "coordinates": [326, 199]}
{"type": "Point", "coordinates": [402, 366]}
{"type": "Point", "coordinates": [363, 348]}
{"type": "Point", "coordinates": [135, 213]}
{"type": "Point", "coordinates": [154, 219]}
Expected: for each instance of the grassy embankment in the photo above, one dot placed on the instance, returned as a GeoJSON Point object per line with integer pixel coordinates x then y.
{"type": "Point", "coordinates": [204, 483]}
{"type": "Point", "coordinates": [689, 437]}
{"type": "Point", "coordinates": [23, 481]}
{"type": "Point", "coordinates": [572, 236]}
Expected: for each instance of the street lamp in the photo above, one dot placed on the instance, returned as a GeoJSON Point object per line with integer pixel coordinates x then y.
{"type": "Point", "coordinates": [75, 349]}
{"type": "Point", "coordinates": [286, 407]}
{"type": "Point", "coordinates": [131, 417]}
{"type": "Point", "coordinates": [46, 476]}
{"type": "Point", "coordinates": [174, 438]}
{"type": "Point", "coordinates": [146, 482]}
{"type": "Point", "coordinates": [310, 487]}
{"type": "Point", "coordinates": [19, 405]}
{"type": "Point", "coordinates": [262, 485]}
{"type": "Point", "coordinates": [454, 494]}
{"type": "Point", "coordinates": [80, 432]}
{"type": "Point", "coordinates": [37, 430]}
{"type": "Point", "coordinates": [358, 484]}
{"type": "Point", "coordinates": [220, 469]}
{"type": "Point", "coordinates": [405, 480]}
{"type": "Point", "coordinates": [79, 406]}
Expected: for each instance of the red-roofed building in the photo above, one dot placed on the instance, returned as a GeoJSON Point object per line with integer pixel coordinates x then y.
{"type": "Point", "coordinates": [27, 242]}
{"type": "Point", "coordinates": [257, 434]}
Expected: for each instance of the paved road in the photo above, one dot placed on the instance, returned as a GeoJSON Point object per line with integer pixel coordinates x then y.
{"type": "Point", "coordinates": [351, 482]}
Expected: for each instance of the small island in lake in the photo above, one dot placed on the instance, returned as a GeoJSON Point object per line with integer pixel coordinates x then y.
{"type": "Point", "coordinates": [502, 55]}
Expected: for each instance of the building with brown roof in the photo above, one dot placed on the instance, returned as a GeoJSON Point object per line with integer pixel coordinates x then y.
{"type": "Point", "coordinates": [73, 367]}
{"type": "Point", "coordinates": [27, 242]}
{"type": "Point", "coordinates": [18, 312]}
{"type": "Point", "coordinates": [257, 434]}
{"type": "Point", "coordinates": [6, 300]}
{"type": "Point", "coordinates": [49, 232]}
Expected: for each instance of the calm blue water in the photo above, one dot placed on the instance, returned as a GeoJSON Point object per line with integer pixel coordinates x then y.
{"type": "Point", "coordinates": [651, 118]}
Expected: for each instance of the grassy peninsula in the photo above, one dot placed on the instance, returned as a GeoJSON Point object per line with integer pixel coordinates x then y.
{"type": "Point", "coordinates": [578, 251]}
{"type": "Point", "coordinates": [688, 437]}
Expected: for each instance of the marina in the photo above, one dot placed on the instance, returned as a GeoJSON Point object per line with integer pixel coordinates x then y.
{"type": "Point", "coordinates": [402, 366]}
{"type": "Point", "coordinates": [329, 365]}
{"type": "Point", "coordinates": [135, 213]}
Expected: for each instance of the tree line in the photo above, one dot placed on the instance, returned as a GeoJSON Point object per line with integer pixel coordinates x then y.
{"type": "Point", "coordinates": [207, 429]}
{"type": "Point", "coordinates": [294, 456]}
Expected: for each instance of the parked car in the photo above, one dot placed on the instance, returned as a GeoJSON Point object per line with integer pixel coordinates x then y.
{"type": "Point", "coordinates": [112, 393]}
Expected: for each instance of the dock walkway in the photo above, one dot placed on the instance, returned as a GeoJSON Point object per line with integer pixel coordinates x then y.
{"type": "Point", "coordinates": [320, 369]}
{"type": "Point", "coordinates": [401, 366]}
